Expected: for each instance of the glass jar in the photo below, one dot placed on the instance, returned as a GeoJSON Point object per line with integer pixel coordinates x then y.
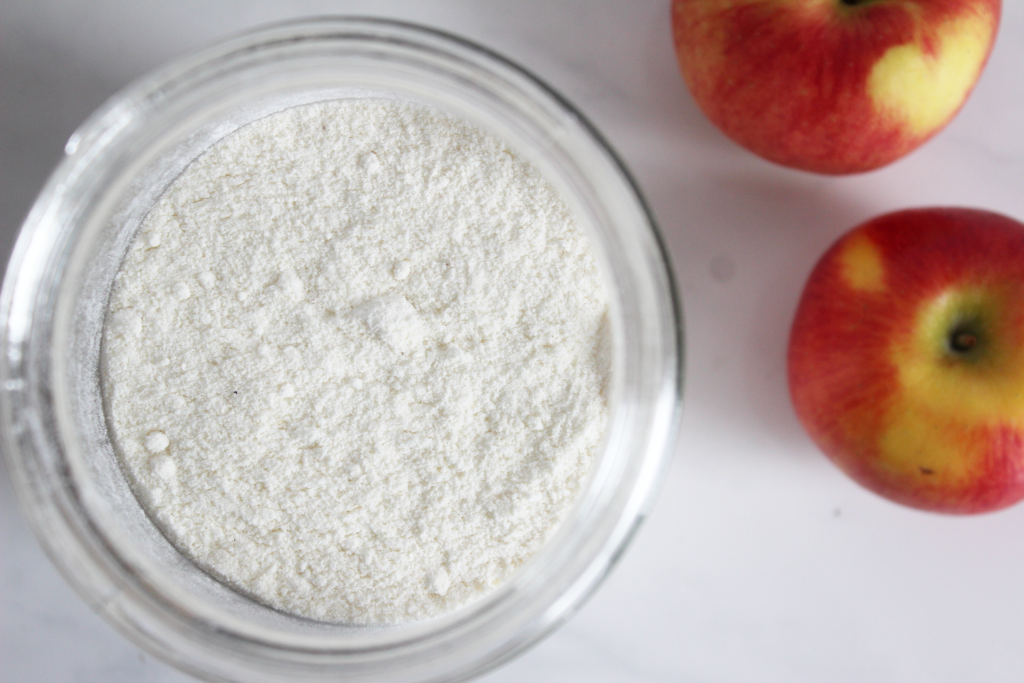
{"type": "Point", "coordinates": [55, 296]}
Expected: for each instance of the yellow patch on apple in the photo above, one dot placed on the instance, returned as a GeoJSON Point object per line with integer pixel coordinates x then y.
{"type": "Point", "coordinates": [911, 445]}
{"type": "Point", "coordinates": [956, 386]}
{"type": "Point", "coordinates": [925, 90]}
{"type": "Point", "coordinates": [861, 264]}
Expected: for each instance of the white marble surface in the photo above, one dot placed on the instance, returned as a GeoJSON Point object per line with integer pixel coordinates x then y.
{"type": "Point", "coordinates": [761, 562]}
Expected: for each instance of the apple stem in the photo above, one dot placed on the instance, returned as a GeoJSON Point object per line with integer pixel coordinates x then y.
{"type": "Point", "coordinates": [962, 342]}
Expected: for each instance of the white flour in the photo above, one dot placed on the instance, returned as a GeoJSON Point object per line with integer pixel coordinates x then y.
{"type": "Point", "coordinates": [356, 361]}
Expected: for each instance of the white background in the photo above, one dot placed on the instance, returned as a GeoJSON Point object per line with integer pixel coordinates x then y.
{"type": "Point", "coordinates": [761, 562]}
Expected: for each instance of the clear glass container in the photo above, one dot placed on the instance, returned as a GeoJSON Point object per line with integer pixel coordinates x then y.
{"type": "Point", "coordinates": [55, 296]}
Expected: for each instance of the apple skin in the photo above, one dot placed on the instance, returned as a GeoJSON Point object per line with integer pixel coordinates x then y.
{"type": "Point", "coordinates": [832, 86]}
{"type": "Point", "coordinates": [906, 358]}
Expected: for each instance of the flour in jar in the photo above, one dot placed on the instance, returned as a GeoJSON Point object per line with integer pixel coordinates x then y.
{"type": "Point", "coordinates": [356, 361]}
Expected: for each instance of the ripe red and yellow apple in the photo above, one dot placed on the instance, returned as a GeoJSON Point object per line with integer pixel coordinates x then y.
{"type": "Point", "coordinates": [832, 86]}
{"type": "Point", "coordinates": [906, 358]}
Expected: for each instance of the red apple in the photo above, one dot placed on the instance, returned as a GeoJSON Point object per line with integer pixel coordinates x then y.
{"type": "Point", "coordinates": [906, 358]}
{"type": "Point", "coordinates": [832, 86]}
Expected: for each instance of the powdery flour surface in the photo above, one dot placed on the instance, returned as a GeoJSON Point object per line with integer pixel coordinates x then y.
{"type": "Point", "coordinates": [356, 361]}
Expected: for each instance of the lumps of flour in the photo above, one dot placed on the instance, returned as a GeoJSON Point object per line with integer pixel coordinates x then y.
{"type": "Point", "coordinates": [289, 283]}
{"type": "Point", "coordinates": [156, 442]}
{"type": "Point", "coordinates": [439, 581]}
{"type": "Point", "coordinates": [370, 162]}
{"type": "Point", "coordinates": [163, 467]}
{"type": "Point", "coordinates": [355, 363]}
{"type": "Point", "coordinates": [124, 322]}
{"type": "Point", "coordinates": [394, 321]}
{"type": "Point", "coordinates": [401, 270]}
